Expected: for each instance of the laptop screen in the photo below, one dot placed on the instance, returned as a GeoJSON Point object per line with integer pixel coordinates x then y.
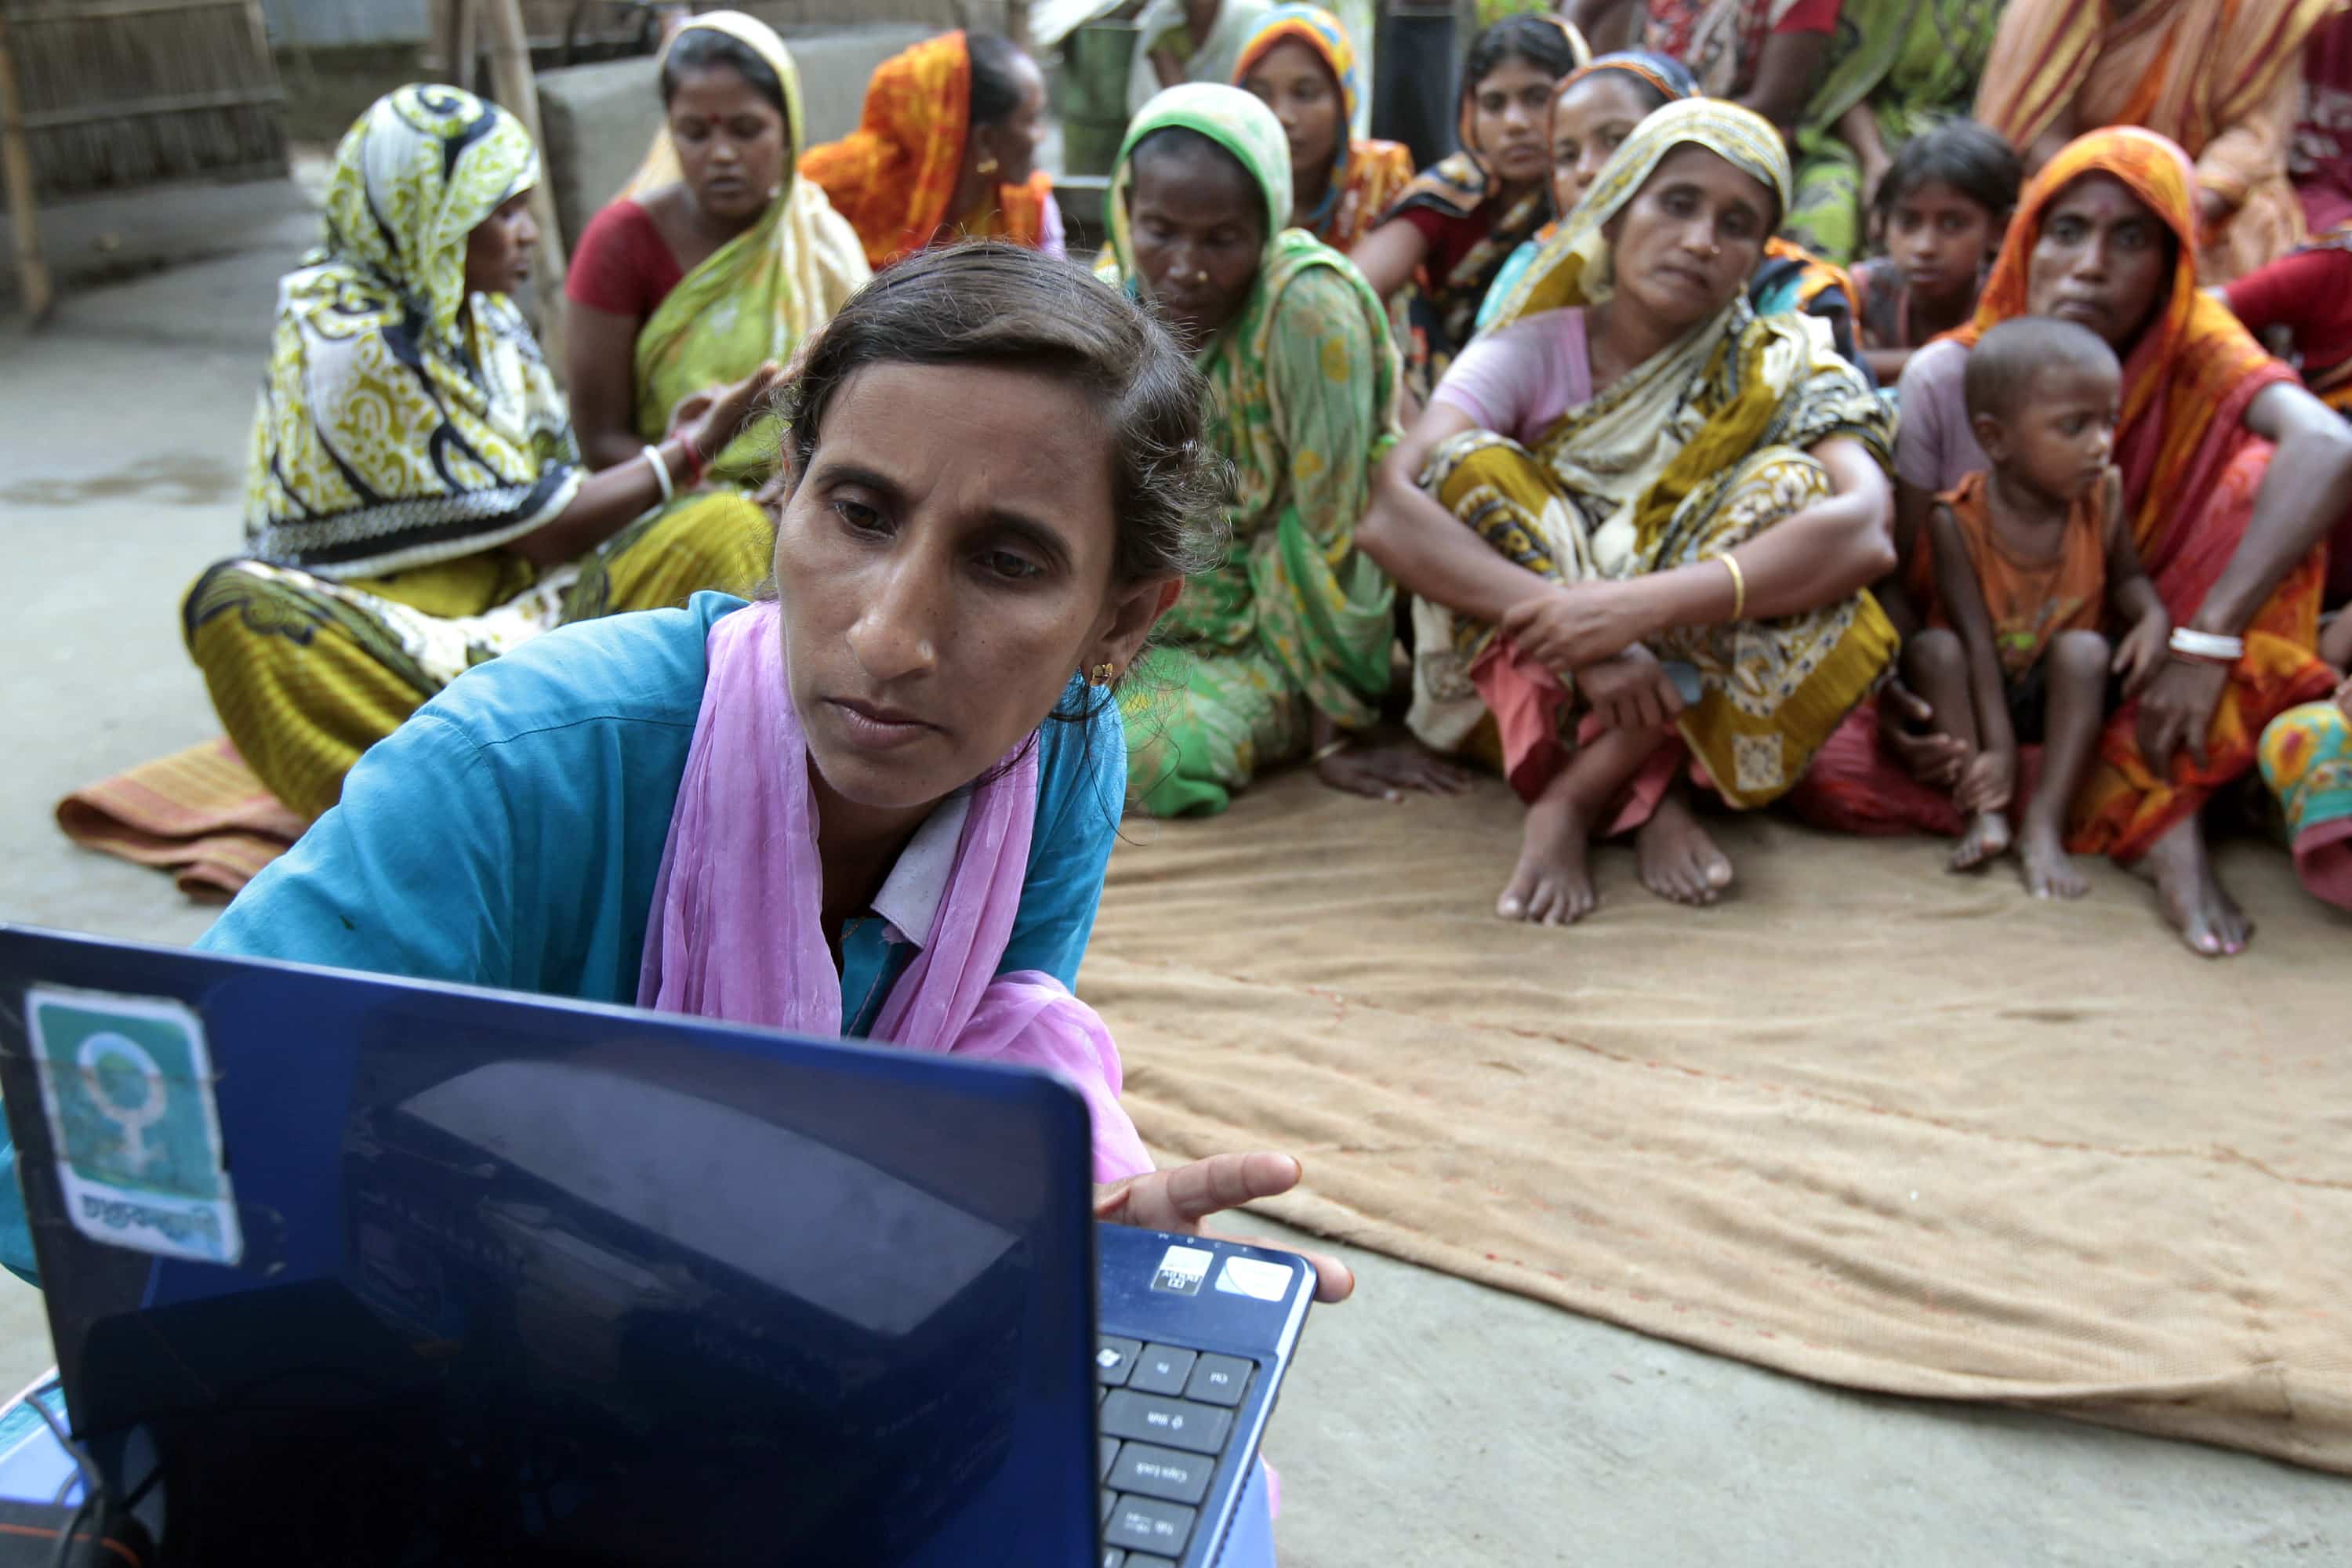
{"type": "Point", "coordinates": [518, 1279]}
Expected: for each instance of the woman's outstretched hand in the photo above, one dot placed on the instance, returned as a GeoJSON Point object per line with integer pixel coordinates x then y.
{"type": "Point", "coordinates": [1180, 1199]}
{"type": "Point", "coordinates": [1571, 626]}
{"type": "Point", "coordinates": [709, 421]}
{"type": "Point", "coordinates": [1385, 773]}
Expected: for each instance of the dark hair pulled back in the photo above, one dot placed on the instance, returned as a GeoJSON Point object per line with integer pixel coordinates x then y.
{"type": "Point", "coordinates": [1973, 159]}
{"type": "Point", "coordinates": [1540, 41]}
{"type": "Point", "coordinates": [704, 49]}
{"type": "Point", "coordinates": [995, 78]}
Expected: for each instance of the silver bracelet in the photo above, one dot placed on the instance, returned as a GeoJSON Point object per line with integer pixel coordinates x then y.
{"type": "Point", "coordinates": [2207, 647]}
{"type": "Point", "coordinates": [653, 457]}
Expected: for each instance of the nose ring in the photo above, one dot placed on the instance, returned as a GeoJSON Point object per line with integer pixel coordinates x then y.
{"type": "Point", "coordinates": [1199, 277]}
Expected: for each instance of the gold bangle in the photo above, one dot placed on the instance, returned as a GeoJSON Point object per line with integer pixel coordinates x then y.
{"type": "Point", "coordinates": [1332, 749]}
{"type": "Point", "coordinates": [1738, 587]}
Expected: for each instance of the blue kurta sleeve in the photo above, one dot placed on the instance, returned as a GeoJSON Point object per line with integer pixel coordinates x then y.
{"type": "Point", "coordinates": [414, 874]}
{"type": "Point", "coordinates": [1081, 793]}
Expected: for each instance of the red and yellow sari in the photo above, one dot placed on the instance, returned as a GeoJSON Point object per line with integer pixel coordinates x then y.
{"type": "Point", "coordinates": [1367, 174]}
{"type": "Point", "coordinates": [2191, 469]}
{"type": "Point", "coordinates": [2222, 78]}
{"type": "Point", "coordinates": [894, 176]}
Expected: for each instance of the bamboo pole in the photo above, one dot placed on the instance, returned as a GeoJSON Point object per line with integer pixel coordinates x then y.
{"type": "Point", "coordinates": [513, 85]}
{"type": "Point", "coordinates": [24, 212]}
{"type": "Point", "coordinates": [465, 48]}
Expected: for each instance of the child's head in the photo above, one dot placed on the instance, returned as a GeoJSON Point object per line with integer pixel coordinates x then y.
{"type": "Point", "coordinates": [1508, 78]}
{"type": "Point", "coordinates": [1944, 203]}
{"type": "Point", "coordinates": [2042, 398]}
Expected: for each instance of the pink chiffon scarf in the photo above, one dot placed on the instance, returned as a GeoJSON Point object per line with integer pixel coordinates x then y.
{"type": "Point", "coordinates": [736, 928]}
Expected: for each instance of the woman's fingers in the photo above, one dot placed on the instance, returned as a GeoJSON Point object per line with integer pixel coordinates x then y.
{"type": "Point", "coordinates": [1180, 1199]}
{"type": "Point", "coordinates": [1905, 703]}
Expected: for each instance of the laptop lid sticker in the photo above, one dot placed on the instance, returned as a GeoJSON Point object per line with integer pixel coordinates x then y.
{"type": "Point", "coordinates": [1182, 1270]}
{"type": "Point", "coordinates": [1255, 1277]}
{"type": "Point", "coordinates": [127, 1085]}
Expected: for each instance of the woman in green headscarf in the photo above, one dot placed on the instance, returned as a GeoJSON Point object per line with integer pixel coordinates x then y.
{"type": "Point", "coordinates": [1640, 519]}
{"type": "Point", "coordinates": [714, 258]}
{"type": "Point", "coordinates": [1283, 652]}
{"type": "Point", "coordinates": [414, 501]}
{"type": "Point", "coordinates": [1897, 67]}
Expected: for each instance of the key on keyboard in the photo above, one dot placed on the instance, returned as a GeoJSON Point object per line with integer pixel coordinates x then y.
{"type": "Point", "coordinates": [1165, 1415]}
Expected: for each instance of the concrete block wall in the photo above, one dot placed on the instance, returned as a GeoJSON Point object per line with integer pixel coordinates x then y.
{"type": "Point", "coordinates": [600, 119]}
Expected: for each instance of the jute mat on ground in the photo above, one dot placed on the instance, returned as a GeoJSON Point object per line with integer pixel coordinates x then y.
{"type": "Point", "coordinates": [1867, 1122]}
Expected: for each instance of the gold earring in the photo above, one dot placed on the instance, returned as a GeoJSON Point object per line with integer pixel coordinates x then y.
{"type": "Point", "coordinates": [988, 164]}
{"type": "Point", "coordinates": [1103, 674]}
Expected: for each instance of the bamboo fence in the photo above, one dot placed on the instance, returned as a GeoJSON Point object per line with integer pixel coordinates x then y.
{"type": "Point", "coordinates": [125, 93]}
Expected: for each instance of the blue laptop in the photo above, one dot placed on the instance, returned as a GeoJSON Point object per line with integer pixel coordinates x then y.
{"type": "Point", "coordinates": [350, 1269]}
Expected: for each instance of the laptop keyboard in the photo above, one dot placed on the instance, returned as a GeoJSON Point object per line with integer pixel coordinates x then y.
{"type": "Point", "coordinates": [1163, 1416]}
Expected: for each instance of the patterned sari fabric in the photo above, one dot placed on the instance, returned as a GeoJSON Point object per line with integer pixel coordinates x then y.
{"type": "Point", "coordinates": [2306, 759]}
{"type": "Point", "coordinates": [2222, 77]}
{"type": "Point", "coordinates": [1367, 176]}
{"type": "Point", "coordinates": [1442, 313]}
{"type": "Point", "coordinates": [896, 176]}
{"type": "Point", "coordinates": [1913, 62]}
{"type": "Point", "coordinates": [1678, 461]}
{"type": "Point", "coordinates": [758, 296]}
{"type": "Point", "coordinates": [2191, 469]}
{"type": "Point", "coordinates": [397, 427]}
{"type": "Point", "coordinates": [405, 432]}
{"type": "Point", "coordinates": [1303, 388]}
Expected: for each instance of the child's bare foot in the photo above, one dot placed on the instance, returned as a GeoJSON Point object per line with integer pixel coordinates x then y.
{"type": "Point", "coordinates": [1986, 838]}
{"type": "Point", "coordinates": [1678, 861]}
{"type": "Point", "coordinates": [1552, 885]}
{"type": "Point", "coordinates": [2193, 901]}
{"type": "Point", "coordinates": [2050, 871]}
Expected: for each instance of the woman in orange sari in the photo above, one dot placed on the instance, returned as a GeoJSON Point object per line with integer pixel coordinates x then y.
{"type": "Point", "coordinates": [2105, 237]}
{"type": "Point", "coordinates": [1301, 65]}
{"type": "Point", "coordinates": [945, 150]}
{"type": "Point", "coordinates": [2222, 78]}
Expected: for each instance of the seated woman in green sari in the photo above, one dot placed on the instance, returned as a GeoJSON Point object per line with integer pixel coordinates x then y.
{"type": "Point", "coordinates": [1897, 67]}
{"type": "Point", "coordinates": [715, 258]}
{"type": "Point", "coordinates": [1282, 652]}
{"type": "Point", "coordinates": [414, 501]}
{"type": "Point", "coordinates": [1640, 519]}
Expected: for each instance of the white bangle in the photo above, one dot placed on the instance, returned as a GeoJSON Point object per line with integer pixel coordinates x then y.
{"type": "Point", "coordinates": [653, 457]}
{"type": "Point", "coordinates": [2207, 647]}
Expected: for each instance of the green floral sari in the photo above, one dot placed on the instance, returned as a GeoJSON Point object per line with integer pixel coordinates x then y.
{"type": "Point", "coordinates": [1303, 387]}
{"type": "Point", "coordinates": [1914, 62]}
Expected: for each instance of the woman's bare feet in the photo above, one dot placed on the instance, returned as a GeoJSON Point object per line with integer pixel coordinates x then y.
{"type": "Point", "coordinates": [1552, 884]}
{"type": "Point", "coordinates": [1678, 861]}
{"type": "Point", "coordinates": [1985, 838]}
{"type": "Point", "coordinates": [2193, 901]}
{"type": "Point", "coordinates": [2050, 871]}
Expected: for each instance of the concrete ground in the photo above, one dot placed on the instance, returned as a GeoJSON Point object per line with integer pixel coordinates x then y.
{"type": "Point", "coordinates": [1428, 1421]}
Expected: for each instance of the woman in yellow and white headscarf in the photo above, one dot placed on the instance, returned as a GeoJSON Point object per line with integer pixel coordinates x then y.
{"type": "Point", "coordinates": [715, 257]}
{"type": "Point", "coordinates": [1641, 519]}
{"type": "Point", "coordinates": [415, 501]}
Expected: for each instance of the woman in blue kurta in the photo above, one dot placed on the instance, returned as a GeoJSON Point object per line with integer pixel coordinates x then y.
{"type": "Point", "coordinates": [879, 803]}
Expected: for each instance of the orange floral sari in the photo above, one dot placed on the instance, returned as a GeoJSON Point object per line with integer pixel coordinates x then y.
{"type": "Point", "coordinates": [894, 176]}
{"type": "Point", "coordinates": [2190, 469]}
